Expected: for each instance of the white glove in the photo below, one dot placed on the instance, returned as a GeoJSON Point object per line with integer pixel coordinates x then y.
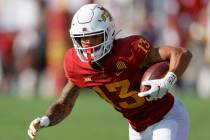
{"type": "Point", "coordinates": [159, 87]}
{"type": "Point", "coordinates": [36, 125]}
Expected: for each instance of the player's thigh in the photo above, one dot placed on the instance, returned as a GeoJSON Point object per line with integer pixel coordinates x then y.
{"type": "Point", "coordinates": [174, 126]}
{"type": "Point", "coordinates": [170, 130]}
{"type": "Point", "coordinates": [166, 130]}
{"type": "Point", "coordinates": [163, 130]}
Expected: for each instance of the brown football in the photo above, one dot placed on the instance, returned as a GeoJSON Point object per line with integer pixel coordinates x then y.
{"type": "Point", "coordinates": [156, 71]}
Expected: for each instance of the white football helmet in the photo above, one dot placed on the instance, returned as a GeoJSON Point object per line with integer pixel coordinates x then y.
{"type": "Point", "coordinates": [90, 20]}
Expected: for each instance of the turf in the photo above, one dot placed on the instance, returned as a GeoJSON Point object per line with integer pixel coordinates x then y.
{"type": "Point", "coordinates": [91, 119]}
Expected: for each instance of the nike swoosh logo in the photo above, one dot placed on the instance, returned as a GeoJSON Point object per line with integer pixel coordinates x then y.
{"type": "Point", "coordinates": [119, 73]}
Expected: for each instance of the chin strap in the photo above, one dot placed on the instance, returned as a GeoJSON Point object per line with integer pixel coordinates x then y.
{"type": "Point", "coordinates": [117, 33]}
{"type": "Point", "coordinates": [88, 52]}
{"type": "Point", "coordinates": [89, 59]}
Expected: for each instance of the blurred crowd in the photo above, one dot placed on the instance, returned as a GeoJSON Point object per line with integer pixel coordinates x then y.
{"type": "Point", "coordinates": [34, 36]}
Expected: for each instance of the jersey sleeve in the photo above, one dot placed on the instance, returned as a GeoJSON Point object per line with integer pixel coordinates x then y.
{"type": "Point", "coordinates": [67, 66]}
{"type": "Point", "coordinates": [140, 47]}
{"type": "Point", "coordinates": [72, 69]}
{"type": "Point", "coordinates": [136, 50]}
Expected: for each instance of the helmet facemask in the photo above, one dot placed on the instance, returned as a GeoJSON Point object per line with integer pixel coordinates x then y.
{"type": "Point", "coordinates": [92, 53]}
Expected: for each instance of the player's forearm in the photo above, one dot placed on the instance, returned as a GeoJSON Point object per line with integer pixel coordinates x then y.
{"type": "Point", "coordinates": [179, 60]}
{"type": "Point", "coordinates": [57, 113]}
{"type": "Point", "coordinates": [62, 108]}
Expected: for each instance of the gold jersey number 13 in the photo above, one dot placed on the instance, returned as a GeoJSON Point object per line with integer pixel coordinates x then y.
{"type": "Point", "coordinates": [123, 85]}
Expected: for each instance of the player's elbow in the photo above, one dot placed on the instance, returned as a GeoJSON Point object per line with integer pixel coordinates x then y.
{"type": "Point", "coordinates": [186, 54]}
{"type": "Point", "coordinates": [182, 54]}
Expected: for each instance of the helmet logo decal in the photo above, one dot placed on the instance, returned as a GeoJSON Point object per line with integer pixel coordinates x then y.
{"type": "Point", "coordinates": [105, 15]}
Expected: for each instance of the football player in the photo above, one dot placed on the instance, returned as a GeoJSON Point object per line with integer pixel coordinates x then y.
{"type": "Point", "coordinates": [113, 68]}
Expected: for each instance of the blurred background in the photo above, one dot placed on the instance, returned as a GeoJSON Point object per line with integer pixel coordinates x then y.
{"type": "Point", "coordinates": [34, 36]}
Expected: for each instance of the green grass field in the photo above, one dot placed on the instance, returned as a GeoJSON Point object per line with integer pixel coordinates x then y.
{"type": "Point", "coordinates": [91, 119]}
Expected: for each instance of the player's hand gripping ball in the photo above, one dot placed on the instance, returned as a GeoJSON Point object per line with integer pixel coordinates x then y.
{"type": "Point", "coordinates": [156, 81]}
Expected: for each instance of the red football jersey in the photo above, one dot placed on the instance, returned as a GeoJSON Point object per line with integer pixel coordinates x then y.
{"type": "Point", "coordinates": [119, 81]}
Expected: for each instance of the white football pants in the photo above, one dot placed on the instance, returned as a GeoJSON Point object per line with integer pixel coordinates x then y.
{"type": "Point", "coordinates": [174, 126]}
